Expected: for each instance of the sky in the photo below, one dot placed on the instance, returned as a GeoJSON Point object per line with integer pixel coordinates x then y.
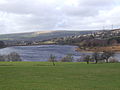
{"type": "Point", "coordinates": [18, 16]}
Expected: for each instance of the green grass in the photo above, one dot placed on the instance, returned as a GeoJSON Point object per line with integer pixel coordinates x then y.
{"type": "Point", "coordinates": [63, 76]}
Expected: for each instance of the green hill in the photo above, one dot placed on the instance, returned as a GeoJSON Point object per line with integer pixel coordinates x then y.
{"type": "Point", "coordinates": [42, 35]}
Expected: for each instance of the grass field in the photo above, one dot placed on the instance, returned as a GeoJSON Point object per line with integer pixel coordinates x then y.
{"type": "Point", "coordinates": [63, 76]}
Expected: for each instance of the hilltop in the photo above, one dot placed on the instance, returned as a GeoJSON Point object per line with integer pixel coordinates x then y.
{"type": "Point", "coordinates": [37, 37]}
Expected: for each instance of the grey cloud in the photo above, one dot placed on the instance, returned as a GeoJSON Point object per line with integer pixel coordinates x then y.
{"type": "Point", "coordinates": [89, 7]}
{"type": "Point", "coordinates": [34, 15]}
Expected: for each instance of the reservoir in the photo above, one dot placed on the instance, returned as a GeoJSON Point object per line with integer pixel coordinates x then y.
{"type": "Point", "coordinates": [43, 52]}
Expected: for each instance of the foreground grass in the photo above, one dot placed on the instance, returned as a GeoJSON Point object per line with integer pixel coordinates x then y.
{"type": "Point", "coordinates": [63, 76]}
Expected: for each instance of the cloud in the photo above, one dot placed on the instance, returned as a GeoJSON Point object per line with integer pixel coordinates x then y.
{"type": "Point", "coordinates": [35, 15]}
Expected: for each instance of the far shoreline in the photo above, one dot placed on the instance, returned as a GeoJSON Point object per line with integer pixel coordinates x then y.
{"type": "Point", "coordinates": [115, 48]}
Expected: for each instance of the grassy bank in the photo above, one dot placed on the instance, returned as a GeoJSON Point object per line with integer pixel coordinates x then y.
{"type": "Point", "coordinates": [63, 76]}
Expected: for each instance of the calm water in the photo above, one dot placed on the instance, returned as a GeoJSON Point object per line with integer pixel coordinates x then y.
{"type": "Point", "coordinates": [43, 52]}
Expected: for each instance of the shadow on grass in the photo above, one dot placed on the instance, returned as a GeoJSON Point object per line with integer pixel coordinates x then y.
{"type": "Point", "coordinates": [6, 65]}
{"type": "Point", "coordinates": [42, 65]}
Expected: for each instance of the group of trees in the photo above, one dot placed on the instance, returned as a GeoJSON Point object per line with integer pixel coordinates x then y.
{"type": "Point", "coordinates": [67, 58]}
{"type": "Point", "coordinates": [96, 57]}
{"type": "Point", "coordinates": [93, 43]}
{"type": "Point", "coordinates": [13, 56]}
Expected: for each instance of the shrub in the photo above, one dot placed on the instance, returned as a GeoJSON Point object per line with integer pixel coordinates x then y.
{"type": "Point", "coordinates": [2, 44]}
{"type": "Point", "coordinates": [14, 57]}
{"type": "Point", "coordinates": [67, 58]}
{"type": "Point", "coordinates": [81, 59]}
{"type": "Point", "coordinates": [11, 57]}
{"type": "Point", "coordinates": [2, 57]}
{"type": "Point", "coordinates": [107, 54]}
{"type": "Point", "coordinates": [113, 60]}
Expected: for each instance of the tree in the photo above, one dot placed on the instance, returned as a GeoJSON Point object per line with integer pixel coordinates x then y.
{"type": "Point", "coordinates": [96, 56]}
{"type": "Point", "coordinates": [106, 55]}
{"type": "Point", "coordinates": [87, 58]}
{"type": "Point", "coordinates": [14, 57]}
{"type": "Point", "coordinates": [2, 44]}
{"type": "Point", "coordinates": [67, 58]}
{"type": "Point", "coordinates": [52, 59]}
{"type": "Point", "coordinates": [10, 57]}
{"type": "Point", "coordinates": [2, 57]}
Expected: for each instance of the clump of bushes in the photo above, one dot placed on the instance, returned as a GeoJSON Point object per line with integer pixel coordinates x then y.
{"type": "Point", "coordinates": [67, 58]}
{"type": "Point", "coordinates": [113, 60]}
{"type": "Point", "coordinates": [13, 56]}
{"type": "Point", "coordinates": [105, 56]}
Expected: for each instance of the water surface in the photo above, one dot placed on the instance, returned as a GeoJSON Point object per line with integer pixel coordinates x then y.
{"type": "Point", "coordinates": [43, 52]}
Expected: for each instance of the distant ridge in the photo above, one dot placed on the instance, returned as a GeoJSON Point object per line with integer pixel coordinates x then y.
{"type": "Point", "coordinates": [41, 35]}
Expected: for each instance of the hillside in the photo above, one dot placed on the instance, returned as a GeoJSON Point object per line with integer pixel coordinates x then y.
{"type": "Point", "coordinates": [102, 40]}
{"type": "Point", "coordinates": [41, 35]}
{"type": "Point", "coordinates": [38, 37]}
{"type": "Point", "coordinates": [83, 38]}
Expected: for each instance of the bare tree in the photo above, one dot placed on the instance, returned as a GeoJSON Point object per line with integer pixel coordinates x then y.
{"type": "Point", "coordinates": [52, 59]}
{"type": "Point", "coordinates": [106, 55]}
{"type": "Point", "coordinates": [96, 56]}
{"type": "Point", "coordinates": [14, 57]}
{"type": "Point", "coordinates": [87, 58]}
{"type": "Point", "coordinates": [11, 57]}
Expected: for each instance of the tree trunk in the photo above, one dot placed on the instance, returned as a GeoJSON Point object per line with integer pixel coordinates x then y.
{"type": "Point", "coordinates": [53, 63]}
{"type": "Point", "coordinates": [106, 60]}
{"type": "Point", "coordinates": [96, 61]}
{"type": "Point", "coordinates": [87, 62]}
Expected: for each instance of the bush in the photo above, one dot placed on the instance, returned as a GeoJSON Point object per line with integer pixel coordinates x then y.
{"type": "Point", "coordinates": [113, 60]}
{"type": "Point", "coordinates": [2, 57]}
{"type": "Point", "coordinates": [2, 44]}
{"type": "Point", "coordinates": [67, 58]}
{"type": "Point", "coordinates": [106, 55]}
{"type": "Point", "coordinates": [11, 57]}
{"type": "Point", "coordinates": [81, 59]}
{"type": "Point", "coordinates": [14, 57]}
